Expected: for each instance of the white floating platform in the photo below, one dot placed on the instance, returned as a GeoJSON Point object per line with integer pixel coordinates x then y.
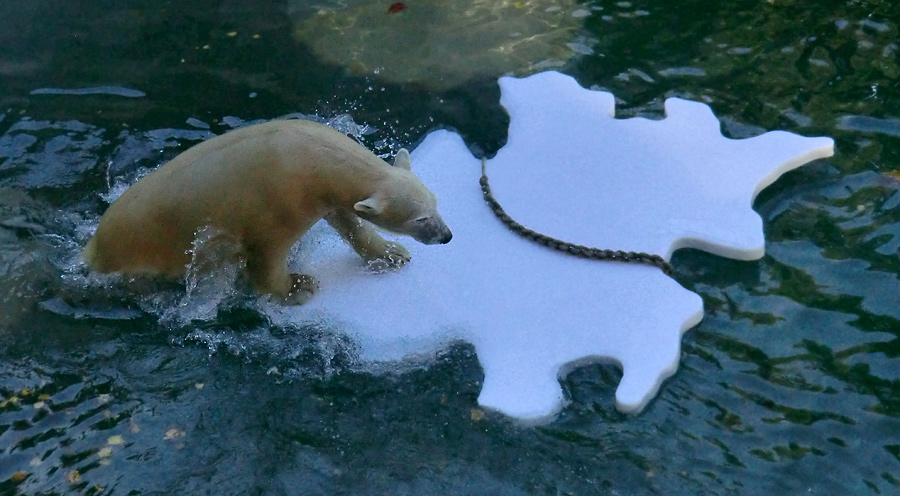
{"type": "Point", "coordinates": [572, 171]}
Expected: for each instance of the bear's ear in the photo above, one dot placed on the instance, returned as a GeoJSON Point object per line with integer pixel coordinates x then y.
{"type": "Point", "coordinates": [369, 206]}
{"type": "Point", "coordinates": [402, 160]}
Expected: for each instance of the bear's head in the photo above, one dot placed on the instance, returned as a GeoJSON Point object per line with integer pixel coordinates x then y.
{"type": "Point", "coordinates": [403, 205]}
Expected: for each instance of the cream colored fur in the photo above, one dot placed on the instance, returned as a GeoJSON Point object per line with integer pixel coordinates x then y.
{"type": "Point", "coordinates": [264, 186]}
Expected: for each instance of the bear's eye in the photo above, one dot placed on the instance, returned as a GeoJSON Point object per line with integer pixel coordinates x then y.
{"type": "Point", "coordinates": [422, 220]}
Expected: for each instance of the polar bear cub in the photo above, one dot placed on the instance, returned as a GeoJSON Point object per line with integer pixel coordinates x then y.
{"type": "Point", "coordinates": [263, 187]}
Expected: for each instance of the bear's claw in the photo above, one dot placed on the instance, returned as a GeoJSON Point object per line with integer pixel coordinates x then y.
{"type": "Point", "coordinates": [302, 289]}
{"type": "Point", "coordinates": [393, 256]}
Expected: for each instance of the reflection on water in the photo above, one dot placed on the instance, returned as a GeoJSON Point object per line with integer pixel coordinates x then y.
{"type": "Point", "coordinates": [443, 44]}
{"type": "Point", "coordinates": [790, 385]}
{"type": "Point", "coordinates": [45, 154]}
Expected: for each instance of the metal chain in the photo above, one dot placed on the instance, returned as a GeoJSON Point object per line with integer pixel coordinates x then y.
{"type": "Point", "coordinates": [564, 246]}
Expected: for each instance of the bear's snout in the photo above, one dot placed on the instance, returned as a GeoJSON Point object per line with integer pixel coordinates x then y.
{"type": "Point", "coordinates": [442, 236]}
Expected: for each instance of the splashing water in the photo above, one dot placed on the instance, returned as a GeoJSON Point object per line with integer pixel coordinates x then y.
{"type": "Point", "coordinates": [212, 305]}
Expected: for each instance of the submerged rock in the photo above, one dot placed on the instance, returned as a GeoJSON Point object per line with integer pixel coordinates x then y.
{"type": "Point", "coordinates": [441, 44]}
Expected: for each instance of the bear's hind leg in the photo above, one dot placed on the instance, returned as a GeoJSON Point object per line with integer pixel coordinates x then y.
{"type": "Point", "coordinates": [267, 270]}
{"type": "Point", "coordinates": [378, 252]}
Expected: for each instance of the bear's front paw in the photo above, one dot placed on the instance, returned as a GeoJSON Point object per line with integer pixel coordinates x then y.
{"type": "Point", "coordinates": [392, 256]}
{"type": "Point", "coordinates": [303, 287]}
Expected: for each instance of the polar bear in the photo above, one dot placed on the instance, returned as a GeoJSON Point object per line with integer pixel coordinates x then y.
{"type": "Point", "coordinates": [263, 187]}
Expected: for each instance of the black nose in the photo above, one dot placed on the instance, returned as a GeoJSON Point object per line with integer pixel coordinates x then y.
{"type": "Point", "coordinates": [446, 239]}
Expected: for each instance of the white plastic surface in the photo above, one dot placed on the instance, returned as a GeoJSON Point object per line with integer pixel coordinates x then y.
{"type": "Point", "coordinates": [635, 184]}
{"type": "Point", "coordinates": [571, 171]}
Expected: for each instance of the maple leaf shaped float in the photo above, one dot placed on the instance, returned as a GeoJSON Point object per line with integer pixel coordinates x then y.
{"type": "Point", "coordinates": [572, 171]}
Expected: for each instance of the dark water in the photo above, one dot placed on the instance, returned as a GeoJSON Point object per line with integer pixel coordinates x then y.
{"type": "Point", "coordinates": [790, 385]}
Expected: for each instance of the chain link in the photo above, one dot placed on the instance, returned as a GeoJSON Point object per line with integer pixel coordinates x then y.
{"type": "Point", "coordinates": [564, 246]}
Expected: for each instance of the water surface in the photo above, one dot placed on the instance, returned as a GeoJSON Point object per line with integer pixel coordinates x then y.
{"type": "Point", "coordinates": [791, 384]}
